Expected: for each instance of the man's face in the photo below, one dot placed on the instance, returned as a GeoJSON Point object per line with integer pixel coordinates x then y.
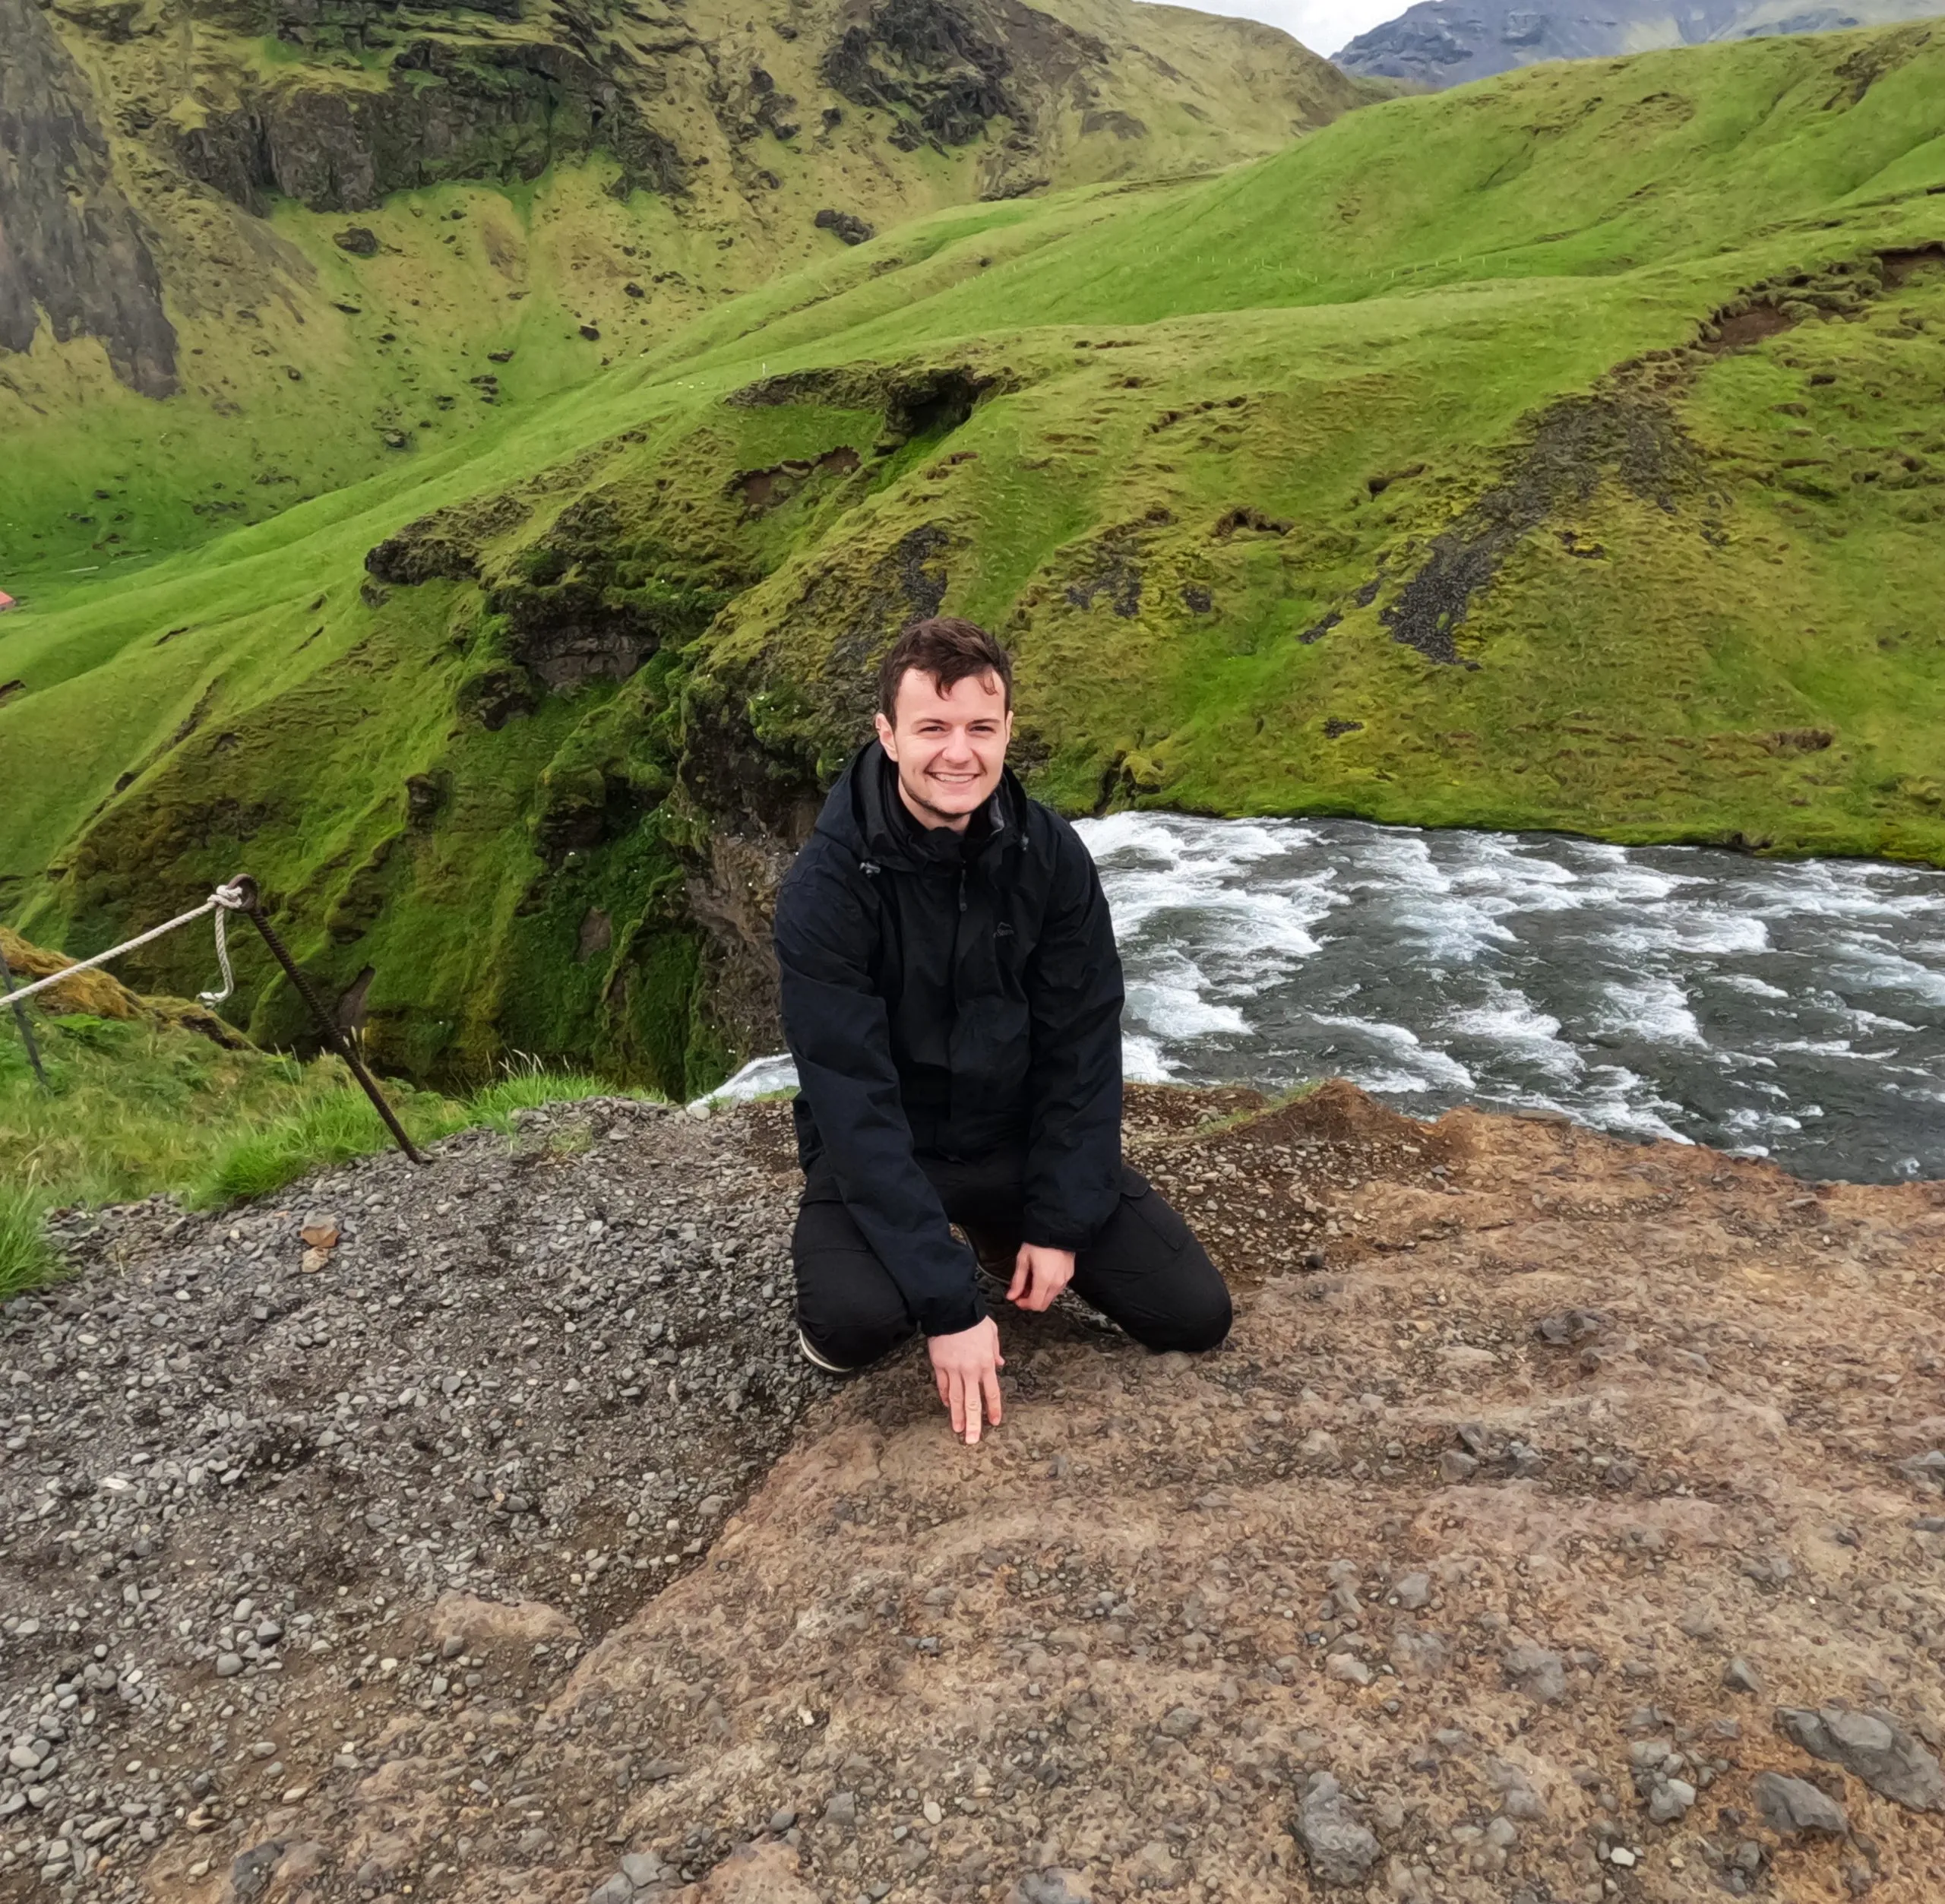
{"type": "Point", "coordinates": [949, 748]}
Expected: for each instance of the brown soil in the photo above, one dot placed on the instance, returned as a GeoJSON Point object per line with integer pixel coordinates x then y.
{"type": "Point", "coordinates": [1522, 1436]}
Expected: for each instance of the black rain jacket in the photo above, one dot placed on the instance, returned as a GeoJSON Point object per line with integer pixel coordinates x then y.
{"type": "Point", "coordinates": [949, 995]}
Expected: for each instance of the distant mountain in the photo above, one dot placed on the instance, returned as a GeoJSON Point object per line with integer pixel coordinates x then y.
{"type": "Point", "coordinates": [1445, 42]}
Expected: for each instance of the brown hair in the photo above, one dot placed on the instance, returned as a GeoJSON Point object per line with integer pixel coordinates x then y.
{"type": "Point", "coordinates": [948, 649]}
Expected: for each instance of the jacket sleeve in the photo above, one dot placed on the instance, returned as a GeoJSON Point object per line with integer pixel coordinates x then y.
{"type": "Point", "coordinates": [1073, 1158]}
{"type": "Point", "coordinates": [839, 1033]}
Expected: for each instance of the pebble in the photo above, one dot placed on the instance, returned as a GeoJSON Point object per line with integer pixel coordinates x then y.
{"type": "Point", "coordinates": [1537, 1672]}
{"type": "Point", "coordinates": [1874, 1746]}
{"type": "Point", "coordinates": [1739, 1676]}
{"type": "Point", "coordinates": [1793, 1805]}
{"type": "Point", "coordinates": [1340, 1849]}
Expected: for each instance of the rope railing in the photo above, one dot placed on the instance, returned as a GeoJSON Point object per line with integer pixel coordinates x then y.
{"type": "Point", "coordinates": [238, 895]}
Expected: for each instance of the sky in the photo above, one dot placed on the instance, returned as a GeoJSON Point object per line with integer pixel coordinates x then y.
{"type": "Point", "coordinates": [1324, 26]}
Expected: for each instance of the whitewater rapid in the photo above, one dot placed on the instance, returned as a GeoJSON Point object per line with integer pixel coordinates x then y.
{"type": "Point", "coordinates": [1794, 1009]}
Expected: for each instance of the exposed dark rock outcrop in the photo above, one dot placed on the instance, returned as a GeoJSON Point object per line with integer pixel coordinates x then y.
{"type": "Point", "coordinates": [945, 67]}
{"type": "Point", "coordinates": [455, 108]}
{"type": "Point", "coordinates": [70, 246]}
{"type": "Point", "coordinates": [848, 225]}
{"type": "Point", "coordinates": [1577, 445]}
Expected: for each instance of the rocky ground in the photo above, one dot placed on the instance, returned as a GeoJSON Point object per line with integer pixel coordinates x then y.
{"type": "Point", "coordinates": [1563, 1521]}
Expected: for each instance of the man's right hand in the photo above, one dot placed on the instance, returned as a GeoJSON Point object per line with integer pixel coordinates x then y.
{"type": "Point", "coordinates": [966, 1366]}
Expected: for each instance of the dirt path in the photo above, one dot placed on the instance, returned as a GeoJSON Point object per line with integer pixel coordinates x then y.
{"type": "Point", "coordinates": [1556, 1517]}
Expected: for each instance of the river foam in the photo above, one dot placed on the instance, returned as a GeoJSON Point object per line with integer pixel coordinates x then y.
{"type": "Point", "coordinates": [1794, 1009]}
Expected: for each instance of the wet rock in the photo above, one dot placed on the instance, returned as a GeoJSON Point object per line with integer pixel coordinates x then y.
{"type": "Point", "coordinates": [1340, 1848]}
{"type": "Point", "coordinates": [1793, 1805]}
{"type": "Point", "coordinates": [358, 240]}
{"type": "Point", "coordinates": [1872, 1745]}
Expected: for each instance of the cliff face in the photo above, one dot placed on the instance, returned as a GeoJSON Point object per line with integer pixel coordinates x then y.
{"type": "Point", "coordinates": [1445, 42]}
{"type": "Point", "coordinates": [71, 247]}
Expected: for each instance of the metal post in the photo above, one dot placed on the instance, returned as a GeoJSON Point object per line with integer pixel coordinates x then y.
{"type": "Point", "coordinates": [253, 909]}
{"type": "Point", "coordinates": [26, 1029]}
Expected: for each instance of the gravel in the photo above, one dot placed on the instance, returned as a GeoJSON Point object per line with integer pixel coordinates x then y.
{"type": "Point", "coordinates": [243, 1471]}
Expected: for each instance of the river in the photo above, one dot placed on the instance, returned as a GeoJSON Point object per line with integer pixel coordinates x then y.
{"type": "Point", "coordinates": [1790, 1009]}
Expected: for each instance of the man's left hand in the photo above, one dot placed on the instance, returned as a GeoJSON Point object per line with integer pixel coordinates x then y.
{"type": "Point", "coordinates": [1039, 1274]}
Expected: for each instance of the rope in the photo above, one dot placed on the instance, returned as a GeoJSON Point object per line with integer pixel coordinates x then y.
{"type": "Point", "coordinates": [224, 907]}
{"type": "Point", "coordinates": [223, 901]}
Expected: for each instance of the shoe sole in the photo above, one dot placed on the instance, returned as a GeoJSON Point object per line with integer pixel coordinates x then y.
{"type": "Point", "coordinates": [816, 1361]}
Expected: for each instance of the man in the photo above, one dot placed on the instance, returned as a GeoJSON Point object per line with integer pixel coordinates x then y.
{"type": "Point", "coordinates": [952, 996]}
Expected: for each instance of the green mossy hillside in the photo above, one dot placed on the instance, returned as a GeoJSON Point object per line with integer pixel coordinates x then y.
{"type": "Point", "coordinates": [1566, 451]}
{"type": "Point", "coordinates": [372, 233]}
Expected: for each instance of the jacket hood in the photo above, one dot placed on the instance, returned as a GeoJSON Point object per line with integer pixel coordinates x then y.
{"type": "Point", "coordinates": [864, 815]}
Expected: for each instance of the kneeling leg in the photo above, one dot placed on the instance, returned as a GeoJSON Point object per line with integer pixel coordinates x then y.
{"type": "Point", "coordinates": [1147, 1271]}
{"type": "Point", "coordinates": [847, 1307]}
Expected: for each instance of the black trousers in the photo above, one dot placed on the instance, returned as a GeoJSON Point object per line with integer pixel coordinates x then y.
{"type": "Point", "coordinates": [1145, 1270]}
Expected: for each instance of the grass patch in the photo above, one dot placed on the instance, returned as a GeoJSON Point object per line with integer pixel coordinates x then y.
{"type": "Point", "coordinates": [528, 1084]}
{"type": "Point", "coordinates": [334, 1129]}
{"type": "Point", "coordinates": [26, 1257]}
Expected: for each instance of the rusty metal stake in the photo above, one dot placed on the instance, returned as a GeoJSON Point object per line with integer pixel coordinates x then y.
{"type": "Point", "coordinates": [26, 1029]}
{"type": "Point", "coordinates": [253, 910]}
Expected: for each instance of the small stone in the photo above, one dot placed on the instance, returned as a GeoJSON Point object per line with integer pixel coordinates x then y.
{"type": "Point", "coordinates": [1537, 1672]}
{"type": "Point", "coordinates": [617, 1889]}
{"type": "Point", "coordinates": [1412, 1591]}
{"type": "Point", "coordinates": [228, 1665]}
{"type": "Point", "coordinates": [1793, 1805]}
{"type": "Point", "coordinates": [1620, 1855]}
{"type": "Point", "coordinates": [1455, 1467]}
{"type": "Point", "coordinates": [1054, 1884]}
{"type": "Point", "coordinates": [1671, 1800]}
{"type": "Point", "coordinates": [1348, 1666]}
{"type": "Point", "coordinates": [779, 1823]}
{"type": "Point", "coordinates": [1340, 1848]}
{"type": "Point", "coordinates": [1873, 1745]}
{"type": "Point", "coordinates": [933, 1814]}
{"type": "Point", "coordinates": [842, 1810]}
{"type": "Point", "coordinates": [1739, 1676]}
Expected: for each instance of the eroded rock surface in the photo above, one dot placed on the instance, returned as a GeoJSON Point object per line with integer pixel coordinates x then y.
{"type": "Point", "coordinates": [1094, 1658]}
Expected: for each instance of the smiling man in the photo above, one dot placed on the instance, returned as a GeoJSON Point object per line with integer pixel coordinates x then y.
{"type": "Point", "coordinates": [952, 996]}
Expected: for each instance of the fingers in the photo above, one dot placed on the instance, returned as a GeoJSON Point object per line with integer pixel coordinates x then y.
{"type": "Point", "coordinates": [971, 1392]}
{"type": "Point", "coordinates": [956, 1402]}
{"type": "Point", "coordinates": [1023, 1268]}
{"type": "Point", "coordinates": [989, 1383]}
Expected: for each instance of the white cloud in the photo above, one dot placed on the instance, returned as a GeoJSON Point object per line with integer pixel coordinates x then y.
{"type": "Point", "coordinates": [1324, 26]}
